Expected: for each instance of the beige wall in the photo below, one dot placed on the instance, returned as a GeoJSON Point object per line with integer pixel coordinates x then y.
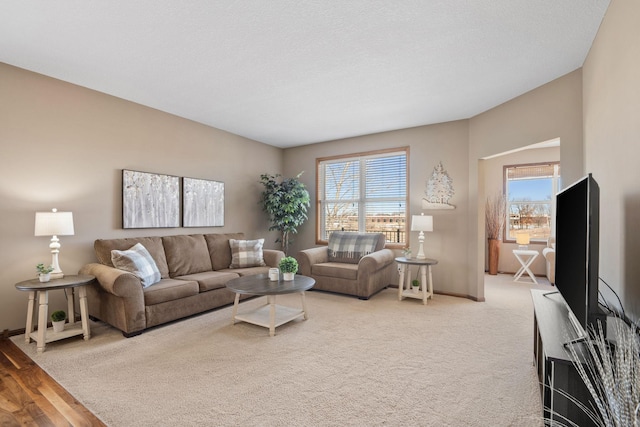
{"type": "Point", "coordinates": [494, 183]}
{"type": "Point", "coordinates": [64, 146]}
{"type": "Point", "coordinates": [553, 110]}
{"type": "Point", "coordinates": [428, 145]}
{"type": "Point", "coordinates": [611, 79]}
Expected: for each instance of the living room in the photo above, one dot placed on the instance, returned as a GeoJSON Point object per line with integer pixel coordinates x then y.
{"type": "Point", "coordinates": [64, 146]}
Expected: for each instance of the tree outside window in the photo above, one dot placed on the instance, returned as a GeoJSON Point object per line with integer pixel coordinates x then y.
{"type": "Point", "coordinates": [530, 192]}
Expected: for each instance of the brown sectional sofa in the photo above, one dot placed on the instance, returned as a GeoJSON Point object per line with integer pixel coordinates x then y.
{"type": "Point", "coordinates": [194, 269]}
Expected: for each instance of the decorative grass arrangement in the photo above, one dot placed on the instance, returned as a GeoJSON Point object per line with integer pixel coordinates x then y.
{"type": "Point", "coordinates": [495, 214]}
{"type": "Point", "coordinates": [611, 374]}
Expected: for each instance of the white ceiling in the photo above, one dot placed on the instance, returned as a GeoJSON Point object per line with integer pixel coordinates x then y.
{"type": "Point", "coordinates": [294, 72]}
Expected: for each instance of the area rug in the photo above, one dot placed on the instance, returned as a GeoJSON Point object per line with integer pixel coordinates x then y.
{"type": "Point", "coordinates": [381, 362]}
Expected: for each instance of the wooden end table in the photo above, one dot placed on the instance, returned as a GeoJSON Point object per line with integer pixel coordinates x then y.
{"type": "Point", "coordinates": [40, 291]}
{"type": "Point", "coordinates": [270, 315]}
{"type": "Point", "coordinates": [404, 287]}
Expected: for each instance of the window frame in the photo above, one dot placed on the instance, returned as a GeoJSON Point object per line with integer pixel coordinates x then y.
{"type": "Point", "coordinates": [360, 156]}
{"type": "Point", "coordinates": [555, 186]}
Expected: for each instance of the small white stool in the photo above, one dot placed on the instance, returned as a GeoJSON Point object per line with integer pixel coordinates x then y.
{"type": "Point", "coordinates": [526, 258]}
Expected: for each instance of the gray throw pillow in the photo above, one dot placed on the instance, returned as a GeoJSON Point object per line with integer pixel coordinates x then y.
{"type": "Point", "coordinates": [246, 253]}
{"type": "Point", "coordinates": [138, 261]}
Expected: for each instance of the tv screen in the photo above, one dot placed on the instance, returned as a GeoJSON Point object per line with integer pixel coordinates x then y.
{"type": "Point", "coordinates": [577, 234]}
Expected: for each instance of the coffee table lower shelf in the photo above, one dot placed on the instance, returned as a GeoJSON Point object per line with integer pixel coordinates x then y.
{"type": "Point", "coordinates": [261, 316]}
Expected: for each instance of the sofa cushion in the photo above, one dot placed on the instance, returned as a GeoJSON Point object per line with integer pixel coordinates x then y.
{"type": "Point", "coordinates": [103, 248]}
{"type": "Point", "coordinates": [186, 254]}
{"type": "Point", "coordinates": [210, 280]}
{"type": "Point", "coordinates": [349, 247]}
{"type": "Point", "coordinates": [339, 270]}
{"type": "Point", "coordinates": [219, 249]}
{"type": "Point", "coordinates": [138, 261]}
{"type": "Point", "coordinates": [246, 253]}
{"type": "Point", "coordinates": [169, 290]}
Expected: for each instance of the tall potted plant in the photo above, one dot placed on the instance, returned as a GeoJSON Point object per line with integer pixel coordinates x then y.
{"type": "Point", "coordinates": [286, 202]}
{"type": "Point", "coordinates": [495, 214]}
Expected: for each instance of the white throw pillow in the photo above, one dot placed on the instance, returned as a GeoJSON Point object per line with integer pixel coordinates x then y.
{"type": "Point", "coordinates": [137, 260]}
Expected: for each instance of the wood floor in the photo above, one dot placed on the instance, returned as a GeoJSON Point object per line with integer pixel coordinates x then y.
{"type": "Point", "coordinates": [30, 397]}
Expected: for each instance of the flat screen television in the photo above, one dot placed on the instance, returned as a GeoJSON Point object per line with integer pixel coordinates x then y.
{"type": "Point", "coordinates": [577, 251]}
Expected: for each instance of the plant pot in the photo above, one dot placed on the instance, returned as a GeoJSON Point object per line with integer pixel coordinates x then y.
{"type": "Point", "coordinates": [288, 276]}
{"type": "Point", "coordinates": [58, 326]}
{"type": "Point", "coordinates": [494, 256]}
{"type": "Point", "coordinates": [415, 289]}
{"type": "Point", "coordinates": [44, 277]}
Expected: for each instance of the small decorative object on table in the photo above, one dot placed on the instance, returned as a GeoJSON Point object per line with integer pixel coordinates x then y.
{"type": "Point", "coordinates": [406, 252]}
{"type": "Point", "coordinates": [288, 266]}
{"type": "Point", "coordinates": [57, 319]}
{"type": "Point", "coordinates": [44, 272]}
{"type": "Point", "coordinates": [415, 285]}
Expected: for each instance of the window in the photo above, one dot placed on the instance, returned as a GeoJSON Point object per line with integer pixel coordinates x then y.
{"type": "Point", "coordinates": [364, 192]}
{"type": "Point", "coordinates": [530, 191]}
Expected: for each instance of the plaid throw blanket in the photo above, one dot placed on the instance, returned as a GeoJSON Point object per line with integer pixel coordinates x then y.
{"type": "Point", "coordinates": [350, 247]}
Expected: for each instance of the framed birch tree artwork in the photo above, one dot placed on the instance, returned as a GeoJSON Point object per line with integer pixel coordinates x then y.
{"type": "Point", "coordinates": [203, 203]}
{"type": "Point", "coordinates": [150, 200]}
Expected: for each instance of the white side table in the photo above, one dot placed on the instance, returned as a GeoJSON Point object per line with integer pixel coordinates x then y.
{"type": "Point", "coordinates": [404, 287]}
{"type": "Point", "coordinates": [526, 258]}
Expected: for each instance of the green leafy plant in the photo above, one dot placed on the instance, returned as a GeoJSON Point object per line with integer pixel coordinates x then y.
{"type": "Point", "coordinates": [286, 202]}
{"type": "Point", "coordinates": [415, 283]}
{"type": "Point", "coordinates": [44, 269]}
{"type": "Point", "coordinates": [288, 264]}
{"type": "Point", "coordinates": [58, 316]}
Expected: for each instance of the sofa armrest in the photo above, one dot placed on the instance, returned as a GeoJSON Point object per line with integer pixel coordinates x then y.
{"type": "Point", "coordinates": [114, 281]}
{"type": "Point", "coordinates": [272, 257]}
{"type": "Point", "coordinates": [308, 257]}
{"type": "Point", "coordinates": [375, 261]}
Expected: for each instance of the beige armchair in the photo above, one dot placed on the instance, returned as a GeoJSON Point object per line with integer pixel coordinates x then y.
{"type": "Point", "coordinates": [549, 254]}
{"type": "Point", "coordinates": [352, 263]}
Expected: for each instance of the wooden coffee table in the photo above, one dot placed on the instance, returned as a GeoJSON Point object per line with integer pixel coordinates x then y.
{"type": "Point", "coordinates": [270, 315]}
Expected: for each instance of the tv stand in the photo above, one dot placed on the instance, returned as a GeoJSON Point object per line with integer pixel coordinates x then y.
{"type": "Point", "coordinates": [557, 375]}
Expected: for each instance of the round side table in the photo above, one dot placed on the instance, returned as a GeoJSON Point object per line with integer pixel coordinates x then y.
{"type": "Point", "coordinates": [404, 287]}
{"type": "Point", "coordinates": [40, 291]}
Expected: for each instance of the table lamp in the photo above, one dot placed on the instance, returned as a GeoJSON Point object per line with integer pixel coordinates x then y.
{"type": "Point", "coordinates": [522, 239]}
{"type": "Point", "coordinates": [421, 223]}
{"type": "Point", "coordinates": [54, 224]}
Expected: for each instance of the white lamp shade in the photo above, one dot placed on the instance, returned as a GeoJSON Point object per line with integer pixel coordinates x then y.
{"type": "Point", "coordinates": [522, 238]}
{"type": "Point", "coordinates": [421, 223]}
{"type": "Point", "coordinates": [54, 223]}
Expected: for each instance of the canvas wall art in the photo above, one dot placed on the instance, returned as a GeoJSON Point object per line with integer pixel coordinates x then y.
{"type": "Point", "coordinates": [203, 203]}
{"type": "Point", "coordinates": [150, 200]}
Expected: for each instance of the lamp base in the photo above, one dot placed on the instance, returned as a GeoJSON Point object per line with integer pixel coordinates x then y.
{"type": "Point", "coordinates": [57, 275]}
{"type": "Point", "coordinates": [421, 254]}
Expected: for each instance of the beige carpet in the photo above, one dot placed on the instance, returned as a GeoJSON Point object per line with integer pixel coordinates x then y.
{"type": "Point", "coordinates": [384, 362]}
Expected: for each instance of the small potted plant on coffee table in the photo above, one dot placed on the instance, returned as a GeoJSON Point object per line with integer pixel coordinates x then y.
{"type": "Point", "coordinates": [57, 319]}
{"type": "Point", "coordinates": [288, 266]}
{"type": "Point", "coordinates": [44, 272]}
{"type": "Point", "coordinates": [415, 285]}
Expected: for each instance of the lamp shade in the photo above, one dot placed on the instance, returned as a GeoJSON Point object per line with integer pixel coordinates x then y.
{"type": "Point", "coordinates": [522, 238]}
{"type": "Point", "coordinates": [422, 223]}
{"type": "Point", "coordinates": [54, 223]}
